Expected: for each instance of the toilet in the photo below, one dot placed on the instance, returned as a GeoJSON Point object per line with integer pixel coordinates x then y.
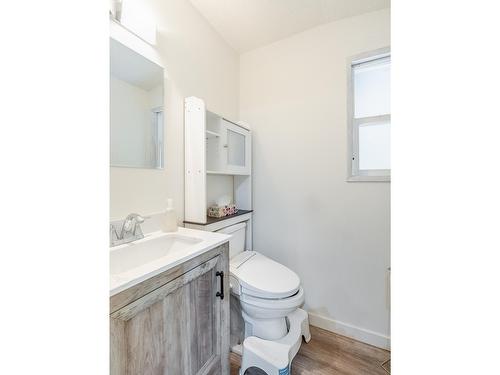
{"type": "Point", "coordinates": [267, 290]}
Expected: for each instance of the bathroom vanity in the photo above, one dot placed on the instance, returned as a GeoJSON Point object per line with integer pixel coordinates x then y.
{"type": "Point", "coordinates": [169, 310]}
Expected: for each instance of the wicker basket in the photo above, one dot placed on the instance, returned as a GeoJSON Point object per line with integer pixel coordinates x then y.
{"type": "Point", "coordinates": [222, 211]}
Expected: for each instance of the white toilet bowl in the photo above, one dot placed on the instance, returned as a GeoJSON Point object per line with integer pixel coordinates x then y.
{"type": "Point", "coordinates": [266, 318]}
{"type": "Point", "coordinates": [267, 290]}
{"type": "Point", "coordinates": [262, 308]}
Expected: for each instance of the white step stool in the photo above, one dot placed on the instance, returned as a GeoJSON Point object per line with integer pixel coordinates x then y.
{"type": "Point", "coordinates": [275, 357]}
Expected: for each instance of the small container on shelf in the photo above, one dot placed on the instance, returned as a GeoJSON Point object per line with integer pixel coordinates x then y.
{"type": "Point", "coordinates": [222, 211]}
{"type": "Point", "coordinates": [169, 222]}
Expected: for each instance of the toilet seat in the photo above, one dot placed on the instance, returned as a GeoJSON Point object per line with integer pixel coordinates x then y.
{"type": "Point", "coordinates": [276, 304]}
{"type": "Point", "coordinates": [262, 277]}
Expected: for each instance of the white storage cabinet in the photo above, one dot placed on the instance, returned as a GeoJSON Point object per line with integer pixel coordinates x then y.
{"type": "Point", "coordinates": [214, 146]}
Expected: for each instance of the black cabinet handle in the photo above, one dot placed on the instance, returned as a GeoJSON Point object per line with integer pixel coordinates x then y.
{"type": "Point", "coordinates": [221, 293]}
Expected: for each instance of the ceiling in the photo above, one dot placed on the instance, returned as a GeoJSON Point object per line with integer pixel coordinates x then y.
{"type": "Point", "coordinates": [249, 24]}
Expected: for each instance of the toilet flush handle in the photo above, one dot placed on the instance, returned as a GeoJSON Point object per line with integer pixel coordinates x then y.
{"type": "Point", "coordinates": [221, 293]}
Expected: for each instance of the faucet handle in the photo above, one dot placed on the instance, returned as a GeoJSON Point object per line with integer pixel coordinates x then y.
{"type": "Point", "coordinates": [131, 221]}
{"type": "Point", "coordinates": [138, 218]}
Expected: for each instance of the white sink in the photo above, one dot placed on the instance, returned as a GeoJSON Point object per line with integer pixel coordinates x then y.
{"type": "Point", "coordinates": [144, 251]}
{"type": "Point", "coordinates": [136, 261]}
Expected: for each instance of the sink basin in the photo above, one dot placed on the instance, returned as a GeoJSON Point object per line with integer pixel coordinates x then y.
{"type": "Point", "coordinates": [144, 251]}
{"type": "Point", "coordinates": [134, 262]}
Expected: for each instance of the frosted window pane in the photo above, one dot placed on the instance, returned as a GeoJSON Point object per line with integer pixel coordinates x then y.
{"type": "Point", "coordinates": [375, 146]}
{"type": "Point", "coordinates": [372, 84]}
{"type": "Point", "coordinates": [236, 148]}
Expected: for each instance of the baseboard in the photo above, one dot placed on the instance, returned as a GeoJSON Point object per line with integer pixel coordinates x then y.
{"type": "Point", "coordinates": [361, 334]}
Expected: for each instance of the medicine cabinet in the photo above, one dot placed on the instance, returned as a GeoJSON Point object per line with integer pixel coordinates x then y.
{"type": "Point", "coordinates": [227, 146]}
{"type": "Point", "coordinates": [136, 109]}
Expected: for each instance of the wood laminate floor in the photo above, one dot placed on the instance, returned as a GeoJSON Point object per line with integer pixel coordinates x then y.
{"type": "Point", "coordinates": [328, 353]}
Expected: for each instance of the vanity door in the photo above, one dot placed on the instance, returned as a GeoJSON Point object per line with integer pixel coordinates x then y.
{"type": "Point", "coordinates": [177, 329]}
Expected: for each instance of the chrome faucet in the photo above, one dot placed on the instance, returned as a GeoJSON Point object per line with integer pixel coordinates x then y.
{"type": "Point", "coordinates": [130, 231]}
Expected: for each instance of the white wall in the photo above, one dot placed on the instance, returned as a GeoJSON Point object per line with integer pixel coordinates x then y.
{"type": "Point", "coordinates": [334, 234]}
{"type": "Point", "coordinates": [198, 62]}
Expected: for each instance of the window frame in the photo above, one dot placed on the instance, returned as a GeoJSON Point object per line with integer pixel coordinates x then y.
{"type": "Point", "coordinates": [158, 136]}
{"type": "Point", "coordinates": [354, 174]}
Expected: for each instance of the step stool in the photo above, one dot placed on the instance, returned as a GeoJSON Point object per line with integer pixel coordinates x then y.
{"type": "Point", "coordinates": [275, 357]}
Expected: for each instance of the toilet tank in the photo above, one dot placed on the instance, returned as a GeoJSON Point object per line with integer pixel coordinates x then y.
{"type": "Point", "coordinates": [237, 240]}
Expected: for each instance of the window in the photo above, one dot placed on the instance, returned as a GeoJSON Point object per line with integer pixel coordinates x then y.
{"type": "Point", "coordinates": [157, 145]}
{"type": "Point", "coordinates": [370, 117]}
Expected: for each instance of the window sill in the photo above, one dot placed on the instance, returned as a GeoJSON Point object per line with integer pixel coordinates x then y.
{"type": "Point", "coordinates": [368, 179]}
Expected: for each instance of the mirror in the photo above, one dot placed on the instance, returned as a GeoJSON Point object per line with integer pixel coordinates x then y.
{"type": "Point", "coordinates": [136, 109]}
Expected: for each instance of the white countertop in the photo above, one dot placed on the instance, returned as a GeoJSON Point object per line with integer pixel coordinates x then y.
{"type": "Point", "coordinates": [124, 280]}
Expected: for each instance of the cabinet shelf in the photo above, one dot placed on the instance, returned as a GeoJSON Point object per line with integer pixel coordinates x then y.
{"type": "Point", "coordinates": [228, 173]}
{"type": "Point", "coordinates": [212, 220]}
{"type": "Point", "coordinates": [211, 134]}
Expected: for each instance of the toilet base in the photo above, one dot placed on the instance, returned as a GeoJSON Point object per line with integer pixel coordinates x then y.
{"type": "Point", "coordinates": [275, 357]}
{"type": "Point", "coordinates": [266, 318]}
{"type": "Point", "coordinates": [266, 329]}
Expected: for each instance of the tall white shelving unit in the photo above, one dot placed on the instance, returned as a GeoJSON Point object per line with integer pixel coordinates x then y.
{"type": "Point", "coordinates": [218, 161]}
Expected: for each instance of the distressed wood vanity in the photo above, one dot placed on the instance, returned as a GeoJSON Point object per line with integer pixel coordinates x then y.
{"type": "Point", "coordinates": [176, 322]}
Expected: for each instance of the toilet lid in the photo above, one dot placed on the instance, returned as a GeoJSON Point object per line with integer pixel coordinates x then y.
{"type": "Point", "coordinates": [262, 277]}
